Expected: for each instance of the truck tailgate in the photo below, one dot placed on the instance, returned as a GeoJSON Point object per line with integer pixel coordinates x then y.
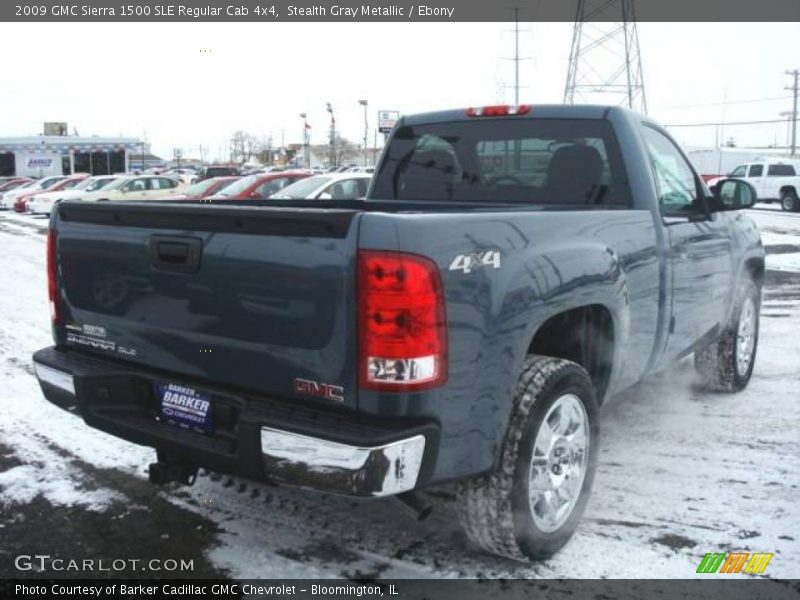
{"type": "Point", "coordinates": [255, 298]}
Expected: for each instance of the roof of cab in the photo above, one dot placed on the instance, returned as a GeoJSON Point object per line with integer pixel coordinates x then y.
{"type": "Point", "coordinates": [541, 111]}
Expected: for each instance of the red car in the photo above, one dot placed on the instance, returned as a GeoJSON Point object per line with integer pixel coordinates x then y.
{"type": "Point", "coordinates": [259, 187]}
{"type": "Point", "coordinates": [21, 204]}
{"type": "Point", "coordinates": [205, 188]}
{"type": "Point", "coordinates": [13, 183]}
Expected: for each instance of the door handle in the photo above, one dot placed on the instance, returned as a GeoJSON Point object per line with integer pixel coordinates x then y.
{"type": "Point", "coordinates": [175, 253]}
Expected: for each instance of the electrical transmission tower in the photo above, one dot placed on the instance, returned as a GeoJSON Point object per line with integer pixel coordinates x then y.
{"type": "Point", "coordinates": [605, 60]}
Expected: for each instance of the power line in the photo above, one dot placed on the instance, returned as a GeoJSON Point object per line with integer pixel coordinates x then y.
{"type": "Point", "coordinates": [725, 124]}
{"type": "Point", "coordinates": [725, 103]}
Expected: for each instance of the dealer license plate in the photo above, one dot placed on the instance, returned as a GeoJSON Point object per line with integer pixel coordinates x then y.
{"type": "Point", "coordinates": [184, 407]}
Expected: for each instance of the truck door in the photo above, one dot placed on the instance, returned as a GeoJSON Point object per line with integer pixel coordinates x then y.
{"type": "Point", "coordinates": [755, 176]}
{"type": "Point", "coordinates": [700, 249]}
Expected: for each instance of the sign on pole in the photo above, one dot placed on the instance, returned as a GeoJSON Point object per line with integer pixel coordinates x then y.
{"type": "Point", "coordinates": [387, 120]}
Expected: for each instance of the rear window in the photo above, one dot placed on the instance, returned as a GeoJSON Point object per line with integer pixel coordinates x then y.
{"type": "Point", "coordinates": [780, 170]}
{"type": "Point", "coordinates": [548, 161]}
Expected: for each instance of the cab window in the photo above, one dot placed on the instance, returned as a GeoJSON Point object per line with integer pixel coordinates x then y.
{"type": "Point", "coordinates": [739, 171]}
{"type": "Point", "coordinates": [675, 181]}
{"type": "Point", "coordinates": [756, 170]}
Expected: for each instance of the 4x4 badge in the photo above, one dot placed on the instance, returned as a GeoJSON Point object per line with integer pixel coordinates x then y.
{"type": "Point", "coordinates": [476, 260]}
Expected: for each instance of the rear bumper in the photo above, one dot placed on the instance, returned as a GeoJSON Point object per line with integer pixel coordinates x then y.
{"type": "Point", "coordinates": [258, 438]}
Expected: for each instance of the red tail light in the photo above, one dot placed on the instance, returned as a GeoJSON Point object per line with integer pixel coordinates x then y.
{"type": "Point", "coordinates": [52, 289]}
{"type": "Point", "coordinates": [402, 325]}
{"type": "Point", "coordinates": [500, 110]}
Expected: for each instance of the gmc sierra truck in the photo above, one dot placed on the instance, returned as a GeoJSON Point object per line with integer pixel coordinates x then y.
{"type": "Point", "coordinates": [510, 268]}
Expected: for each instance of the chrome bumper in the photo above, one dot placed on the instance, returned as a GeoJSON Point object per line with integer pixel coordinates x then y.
{"type": "Point", "coordinates": [307, 461]}
{"type": "Point", "coordinates": [285, 457]}
{"type": "Point", "coordinates": [60, 379]}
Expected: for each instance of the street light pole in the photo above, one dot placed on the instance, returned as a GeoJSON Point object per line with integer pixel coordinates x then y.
{"type": "Point", "coordinates": [366, 130]}
{"type": "Point", "coordinates": [329, 108]}
{"type": "Point", "coordinates": [306, 157]}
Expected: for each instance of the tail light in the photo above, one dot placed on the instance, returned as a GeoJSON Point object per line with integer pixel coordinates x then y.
{"type": "Point", "coordinates": [500, 110]}
{"type": "Point", "coordinates": [402, 325]}
{"type": "Point", "coordinates": [52, 289]}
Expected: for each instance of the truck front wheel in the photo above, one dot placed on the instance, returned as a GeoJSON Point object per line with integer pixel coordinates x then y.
{"type": "Point", "coordinates": [530, 505]}
{"type": "Point", "coordinates": [727, 364]}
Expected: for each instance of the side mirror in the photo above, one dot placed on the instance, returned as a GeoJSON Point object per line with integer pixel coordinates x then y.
{"type": "Point", "coordinates": [733, 194]}
{"type": "Point", "coordinates": [324, 196]}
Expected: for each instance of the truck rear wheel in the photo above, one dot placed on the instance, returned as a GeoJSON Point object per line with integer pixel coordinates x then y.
{"type": "Point", "coordinates": [789, 201]}
{"type": "Point", "coordinates": [530, 506]}
{"type": "Point", "coordinates": [727, 364]}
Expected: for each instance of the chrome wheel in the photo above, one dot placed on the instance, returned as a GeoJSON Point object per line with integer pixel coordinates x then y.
{"type": "Point", "coordinates": [745, 337]}
{"type": "Point", "coordinates": [787, 202]}
{"type": "Point", "coordinates": [558, 463]}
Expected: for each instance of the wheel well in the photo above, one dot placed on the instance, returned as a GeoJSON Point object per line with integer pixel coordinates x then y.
{"type": "Point", "coordinates": [755, 268]}
{"type": "Point", "coordinates": [583, 335]}
{"type": "Point", "coordinates": [788, 188]}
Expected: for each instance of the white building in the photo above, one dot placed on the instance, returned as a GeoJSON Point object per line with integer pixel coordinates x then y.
{"type": "Point", "coordinates": [41, 155]}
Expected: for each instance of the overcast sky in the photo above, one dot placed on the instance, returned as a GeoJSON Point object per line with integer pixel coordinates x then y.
{"type": "Point", "coordinates": [186, 84]}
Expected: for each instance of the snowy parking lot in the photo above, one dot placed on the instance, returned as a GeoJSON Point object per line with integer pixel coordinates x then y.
{"type": "Point", "coordinates": [681, 472]}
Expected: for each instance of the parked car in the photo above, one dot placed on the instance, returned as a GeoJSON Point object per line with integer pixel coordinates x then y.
{"type": "Point", "coordinates": [774, 181]}
{"type": "Point", "coordinates": [21, 203]}
{"type": "Point", "coordinates": [12, 183]}
{"type": "Point", "coordinates": [140, 187]}
{"type": "Point", "coordinates": [336, 186]}
{"type": "Point", "coordinates": [42, 203]}
{"type": "Point", "coordinates": [9, 198]}
{"type": "Point", "coordinates": [187, 176]}
{"type": "Point", "coordinates": [217, 171]}
{"type": "Point", "coordinates": [361, 169]}
{"type": "Point", "coordinates": [259, 187]}
{"type": "Point", "coordinates": [510, 269]}
{"type": "Point", "coordinates": [206, 188]}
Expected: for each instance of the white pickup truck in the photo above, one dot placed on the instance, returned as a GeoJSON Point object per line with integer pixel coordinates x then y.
{"type": "Point", "coordinates": [774, 181]}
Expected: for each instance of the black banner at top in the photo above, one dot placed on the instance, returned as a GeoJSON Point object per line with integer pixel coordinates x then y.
{"type": "Point", "coordinates": [365, 11]}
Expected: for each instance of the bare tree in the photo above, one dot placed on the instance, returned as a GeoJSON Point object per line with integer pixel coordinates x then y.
{"type": "Point", "coordinates": [244, 146]}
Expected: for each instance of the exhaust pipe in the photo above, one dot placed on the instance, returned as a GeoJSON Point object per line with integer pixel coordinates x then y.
{"type": "Point", "coordinates": [415, 505]}
{"type": "Point", "coordinates": [161, 473]}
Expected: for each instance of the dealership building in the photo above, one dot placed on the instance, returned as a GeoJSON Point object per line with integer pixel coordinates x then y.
{"type": "Point", "coordinates": [43, 155]}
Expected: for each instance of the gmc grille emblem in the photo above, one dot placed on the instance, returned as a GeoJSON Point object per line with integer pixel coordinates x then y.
{"type": "Point", "coordinates": [306, 387]}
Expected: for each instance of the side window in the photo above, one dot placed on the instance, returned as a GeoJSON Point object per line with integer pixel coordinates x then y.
{"type": "Point", "coordinates": [780, 171]}
{"type": "Point", "coordinates": [740, 171]}
{"type": "Point", "coordinates": [363, 184]}
{"type": "Point", "coordinates": [137, 185]}
{"type": "Point", "coordinates": [756, 170]}
{"type": "Point", "coordinates": [675, 180]}
{"type": "Point", "coordinates": [266, 189]}
{"type": "Point", "coordinates": [165, 183]}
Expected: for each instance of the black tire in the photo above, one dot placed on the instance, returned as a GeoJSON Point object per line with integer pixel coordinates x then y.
{"type": "Point", "coordinates": [495, 509]}
{"type": "Point", "coordinates": [789, 201]}
{"type": "Point", "coordinates": [718, 363]}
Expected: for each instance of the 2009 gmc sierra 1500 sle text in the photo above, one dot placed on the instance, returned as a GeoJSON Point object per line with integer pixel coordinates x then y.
{"type": "Point", "coordinates": [510, 268]}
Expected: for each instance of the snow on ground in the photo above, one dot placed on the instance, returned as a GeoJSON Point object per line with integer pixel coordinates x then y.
{"type": "Point", "coordinates": [681, 472]}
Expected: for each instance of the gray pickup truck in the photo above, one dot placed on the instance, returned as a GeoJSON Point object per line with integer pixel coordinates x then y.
{"type": "Point", "coordinates": [510, 268]}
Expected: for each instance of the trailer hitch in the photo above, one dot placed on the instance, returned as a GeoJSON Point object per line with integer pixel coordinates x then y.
{"type": "Point", "coordinates": [161, 473]}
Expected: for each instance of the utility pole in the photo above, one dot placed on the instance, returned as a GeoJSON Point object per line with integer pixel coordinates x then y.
{"type": "Point", "coordinates": [329, 108]}
{"type": "Point", "coordinates": [794, 89]}
{"type": "Point", "coordinates": [306, 156]}
{"type": "Point", "coordinates": [366, 130]}
{"type": "Point", "coordinates": [517, 58]}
